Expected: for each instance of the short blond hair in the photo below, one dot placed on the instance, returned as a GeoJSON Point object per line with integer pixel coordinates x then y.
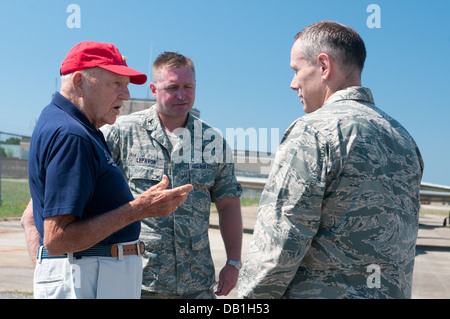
{"type": "Point", "coordinates": [171, 60]}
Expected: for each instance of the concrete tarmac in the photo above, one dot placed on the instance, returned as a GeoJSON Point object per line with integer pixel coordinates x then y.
{"type": "Point", "coordinates": [431, 272]}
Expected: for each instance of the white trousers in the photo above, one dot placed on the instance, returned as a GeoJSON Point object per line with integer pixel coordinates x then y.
{"type": "Point", "coordinates": [88, 278]}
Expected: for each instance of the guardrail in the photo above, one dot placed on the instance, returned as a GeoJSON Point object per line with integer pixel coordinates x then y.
{"type": "Point", "coordinates": [434, 193]}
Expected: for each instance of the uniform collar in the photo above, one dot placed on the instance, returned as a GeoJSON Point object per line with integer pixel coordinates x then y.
{"type": "Point", "coordinates": [351, 93]}
{"type": "Point", "coordinates": [151, 121]}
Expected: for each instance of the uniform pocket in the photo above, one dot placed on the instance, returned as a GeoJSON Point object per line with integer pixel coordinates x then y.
{"type": "Point", "coordinates": [144, 177]}
{"type": "Point", "coordinates": [145, 172]}
{"type": "Point", "coordinates": [202, 174]}
{"type": "Point", "coordinates": [200, 242]}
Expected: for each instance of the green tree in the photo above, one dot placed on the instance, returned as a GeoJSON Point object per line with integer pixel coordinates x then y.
{"type": "Point", "coordinates": [13, 141]}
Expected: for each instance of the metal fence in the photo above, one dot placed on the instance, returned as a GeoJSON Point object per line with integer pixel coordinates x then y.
{"type": "Point", "coordinates": [14, 150]}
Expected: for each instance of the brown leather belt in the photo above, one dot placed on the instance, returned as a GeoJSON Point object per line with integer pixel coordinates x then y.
{"type": "Point", "coordinates": [133, 249]}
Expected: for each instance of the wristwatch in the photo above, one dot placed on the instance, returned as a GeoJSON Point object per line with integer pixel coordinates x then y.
{"type": "Point", "coordinates": [236, 263]}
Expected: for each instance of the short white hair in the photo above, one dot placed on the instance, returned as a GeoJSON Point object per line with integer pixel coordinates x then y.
{"type": "Point", "coordinates": [86, 72]}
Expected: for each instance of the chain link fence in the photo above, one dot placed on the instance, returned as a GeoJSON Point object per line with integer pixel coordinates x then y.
{"type": "Point", "coordinates": [14, 151]}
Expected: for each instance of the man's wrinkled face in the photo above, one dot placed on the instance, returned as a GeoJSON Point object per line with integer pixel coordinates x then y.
{"type": "Point", "coordinates": [103, 96]}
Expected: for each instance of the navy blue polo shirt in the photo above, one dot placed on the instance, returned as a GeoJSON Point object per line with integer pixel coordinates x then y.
{"type": "Point", "coordinates": [71, 170]}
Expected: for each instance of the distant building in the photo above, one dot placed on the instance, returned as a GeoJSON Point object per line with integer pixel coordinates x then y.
{"type": "Point", "coordinates": [19, 151]}
{"type": "Point", "coordinates": [14, 157]}
{"type": "Point", "coordinates": [252, 171]}
{"type": "Point", "coordinates": [12, 151]}
{"type": "Point", "coordinates": [253, 164]}
{"type": "Point", "coordinates": [24, 147]}
{"type": "Point", "coordinates": [136, 105]}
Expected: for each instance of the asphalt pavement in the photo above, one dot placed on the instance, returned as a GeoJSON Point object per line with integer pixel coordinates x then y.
{"type": "Point", "coordinates": [431, 272]}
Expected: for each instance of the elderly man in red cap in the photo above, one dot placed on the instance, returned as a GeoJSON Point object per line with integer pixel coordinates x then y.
{"type": "Point", "coordinates": [86, 225]}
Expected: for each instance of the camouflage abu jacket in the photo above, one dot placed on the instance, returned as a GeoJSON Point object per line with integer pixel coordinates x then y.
{"type": "Point", "coordinates": [177, 258]}
{"type": "Point", "coordinates": [338, 217]}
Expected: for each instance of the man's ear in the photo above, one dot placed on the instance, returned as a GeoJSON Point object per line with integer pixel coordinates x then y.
{"type": "Point", "coordinates": [77, 82]}
{"type": "Point", "coordinates": [325, 65]}
{"type": "Point", "coordinates": [153, 89]}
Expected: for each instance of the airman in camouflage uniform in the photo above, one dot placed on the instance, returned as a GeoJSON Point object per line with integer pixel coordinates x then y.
{"type": "Point", "coordinates": [338, 217]}
{"type": "Point", "coordinates": [177, 261]}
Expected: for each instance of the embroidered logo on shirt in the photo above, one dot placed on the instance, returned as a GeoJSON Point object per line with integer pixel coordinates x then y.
{"type": "Point", "coordinates": [110, 160]}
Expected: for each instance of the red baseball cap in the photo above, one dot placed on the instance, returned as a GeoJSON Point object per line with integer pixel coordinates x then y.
{"type": "Point", "coordinates": [90, 54]}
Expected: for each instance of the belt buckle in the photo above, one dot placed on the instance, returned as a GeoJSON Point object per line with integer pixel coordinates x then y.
{"type": "Point", "coordinates": [39, 254]}
{"type": "Point", "coordinates": [138, 246]}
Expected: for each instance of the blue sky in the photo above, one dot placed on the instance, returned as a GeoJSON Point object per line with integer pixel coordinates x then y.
{"type": "Point", "coordinates": [241, 49]}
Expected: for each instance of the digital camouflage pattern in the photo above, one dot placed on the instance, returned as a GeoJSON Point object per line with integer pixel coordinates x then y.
{"type": "Point", "coordinates": [338, 217]}
{"type": "Point", "coordinates": [177, 258]}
